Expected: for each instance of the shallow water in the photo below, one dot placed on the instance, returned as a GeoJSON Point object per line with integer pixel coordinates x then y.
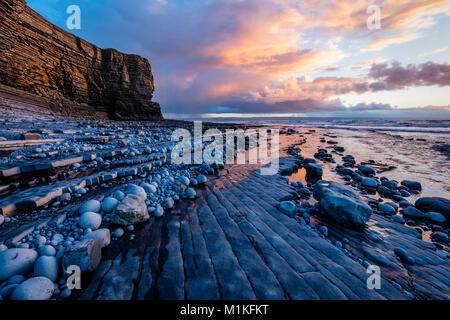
{"type": "Point", "coordinates": [410, 148]}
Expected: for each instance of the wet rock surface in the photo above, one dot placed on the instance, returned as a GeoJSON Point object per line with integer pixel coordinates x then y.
{"type": "Point", "coordinates": [210, 232]}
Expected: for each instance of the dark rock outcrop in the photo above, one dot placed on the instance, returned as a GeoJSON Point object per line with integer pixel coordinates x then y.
{"type": "Point", "coordinates": [70, 73]}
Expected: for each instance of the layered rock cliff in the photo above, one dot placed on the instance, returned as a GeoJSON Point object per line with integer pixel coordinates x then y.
{"type": "Point", "coordinates": [72, 74]}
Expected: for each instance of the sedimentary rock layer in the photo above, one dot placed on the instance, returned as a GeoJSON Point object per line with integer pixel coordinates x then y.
{"type": "Point", "coordinates": [39, 57]}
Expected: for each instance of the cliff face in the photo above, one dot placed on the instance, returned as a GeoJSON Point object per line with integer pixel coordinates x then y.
{"type": "Point", "coordinates": [41, 58]}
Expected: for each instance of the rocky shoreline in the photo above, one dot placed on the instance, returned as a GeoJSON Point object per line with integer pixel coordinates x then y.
{"type": "Point", "coordinates": [104, 196]}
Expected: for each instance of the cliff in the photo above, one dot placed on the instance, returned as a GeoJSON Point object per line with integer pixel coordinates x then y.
{"type": "Point", "coordinates": [70, 73]}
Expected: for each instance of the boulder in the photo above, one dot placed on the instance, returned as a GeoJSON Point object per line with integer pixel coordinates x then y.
{"type": "Point", "coordinates": [435, 217]}
{"type": "Point", "coordinates": [434, 204]}
{"type": "Point", "coordinates": [90, 220]}
{"type": "Point", "coordinates": [133, 189]}
{"type": "Point", "coordinates": [289, 208]}
{"type": "Point", "coordinates": [341, 203]}
{"type": "Point", "coordinates": [16, 261]}
{"type": "Point", "coordinates": [168, 203]}
{"type": "Point", "coordinates": [412, 212]}
{"type": "Point", "coordinates": [86, 254]}
{"type": "Point", "coordinates": [37, 288]}
{"type": "Point", "coordinates": [387, 209]}
{"type": "Point", "coordinates": [109, 204]}
{"type": "Point", "coordinates": [190, 193]}
{"type": "Point", "coordinates": [47, 266]}
{"type": "Point", "coordinates": [201, 179]}
{"type": "Point", "coordinates": [132, 209]}
{"type": "Point", "coordinates": [103, 235]}
{"type": "Point", "coordinates": [119, 195]}
{"type": "Point", "coordinates": [440, 236]}
{"type": "Point", "coordinates": [149, 188]}
{"type": "Point", "coordinates": [90, 206]}
{"type": "Point", "coordinates": [314, 170]}
{"type": "Point", "coordinates": [47, 250]}
{"type": "Point", "coordinates": [413, 185]}
{"type": "Point", "coordinates": [369, 183]}
{"type": "Point", "coordinates": [366, 169]}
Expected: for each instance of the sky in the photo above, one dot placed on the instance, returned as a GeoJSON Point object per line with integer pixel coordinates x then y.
{"type": "Point", "coordinates": [269, 58]}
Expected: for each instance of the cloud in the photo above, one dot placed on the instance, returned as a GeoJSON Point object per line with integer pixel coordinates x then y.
{"type": "Point", "coordinates": [260, 54]}
{"type": "Point", "coordinates": [382, 43]}
{"type": "Point", "coordinates": [434, 52]}
{"type": "Point", "coordinates": [397, 77]}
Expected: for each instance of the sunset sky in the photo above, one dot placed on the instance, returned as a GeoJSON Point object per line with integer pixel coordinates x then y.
{"type": "Point", "coordinates": [279, 57]}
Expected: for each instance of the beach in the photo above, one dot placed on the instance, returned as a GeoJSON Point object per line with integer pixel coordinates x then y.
{"type": "Point", "coordinates": [149, 229]}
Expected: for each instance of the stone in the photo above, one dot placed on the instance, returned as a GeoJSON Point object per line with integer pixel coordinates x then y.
{"type": "Point", "coordinates": [323, 230]}
{"type": "Point", "coordinates": [366, 170]}
{"type": "Point", "coordinates": [86, 254]}
{"type": "Point", "coordinates": [109, 204]}
{"type": "Point", "coordinates": [440, 236]}
{"type": "Point", "coordinates": [7, 290]}
{"type": "Point", "coordinates": [103, 235]}
{"type": "Point", "coordinates": [132, 209]}
{"type": "Point", "coordinates": [190, 193]}
{"type": "Point", "coordinates": [413, 185]}
{"type": "Point", "coordinates": [119, 195]}
{"type": "Point", "coordinates": [47, 250]}
{"type": "Point", "coordinates": [314, 170]}
{"type": "Point", "coordinates": [391, 184]}
{"type": "Point", "coordinates": [184, 180]}
{"type": "Point", "coordinates": [386, 208]}
{"type": "Point", "coordinates": [90, 220]}
{"type": "Point", "coordinates": [168, 203]}
{"type": "Point", "coordinates": [16, 261]}
{"type": "Point", "coordinates": [2, 219]}
{"type": "Point", "coordinates": [434, 204]}
{"type": "Point", "coordinates": [66, 293]}
{"type": "Point", "coordinates": [46, 266]}
{"type": "Point", "coordinates": [341, 203]}
{"type": "Point", "coordinates": [90, 206]}
{"type": "Point", "coordinates": [149, 188]}
{"type": "Point", "coordinates": [133, 189]}
{"type": "Point", "coordinates": [37, 288]}
{"type": "Point", "coordinates": [289, 208]}
{"type": "Point", "coordinates": [201, 179]}
{"type": "Point", "coordinates": [118, 233]}
{"type": "Point", "coordinates": [412, 212]}
{"type": "Point", "coordinates": [369, 183]}
{"type": "Point", "coordinates": [159, 211]}
{"type": "Point", "coordinates": [435, 217]}
{"type": "Point", "coordinates": [17, 279]}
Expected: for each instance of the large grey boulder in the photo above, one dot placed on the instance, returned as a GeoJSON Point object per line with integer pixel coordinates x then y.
{"type": "Point", "coordinates": [130, 210]}
{"type": "Point", "coordinates": [341, 203]}
{"type": "Point", "coordinates": [37, 288]}
{"type": "Point", "coordinates": [16, 261]}
{"type": "Point", "coordinates": [86, 254]}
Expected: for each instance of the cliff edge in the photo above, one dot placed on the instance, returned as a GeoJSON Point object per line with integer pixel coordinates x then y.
{"type": "Point", "coordinates": [70, 73]}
